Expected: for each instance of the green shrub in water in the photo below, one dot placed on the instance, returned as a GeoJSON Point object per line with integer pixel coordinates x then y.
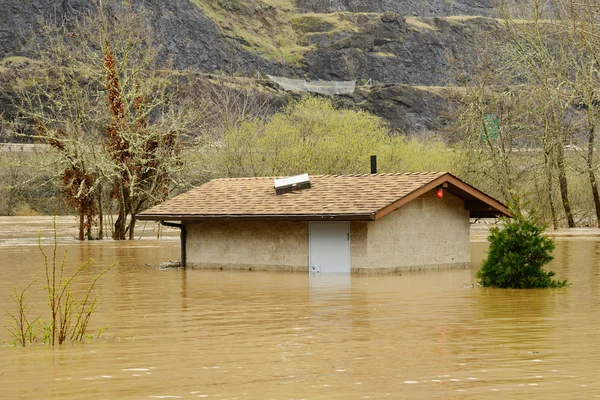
{"type": "Point", "coordinates": [518, 251]}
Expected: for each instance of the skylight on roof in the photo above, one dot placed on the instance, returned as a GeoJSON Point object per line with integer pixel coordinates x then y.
{"type": "Point", "coordinates": [292, 183]}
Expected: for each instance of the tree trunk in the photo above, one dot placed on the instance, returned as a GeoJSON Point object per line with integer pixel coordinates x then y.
{"type": "Point", "coordinates": [563, 185]}
{"type": "Point", "coordinates": [591, 174]}
{"type": "Point", "coordinates": [121, 222]}
{"type": "Point", "coordinates": [550, 195]}
{"type": "Point", "coordinates": [594, 186]}
{"type": "Point", "coordinates": [132, 228]}
{"type": "Point", "coordinates": [100, 215]}
{"type": "Point", "coordinates": [10, 204]}
{"type": "Point", "coordinates": [81, 224]}
{"type": "Point", "coordinates": [88, 227]}
{"type": "Point", "coordinates": [120, 226]}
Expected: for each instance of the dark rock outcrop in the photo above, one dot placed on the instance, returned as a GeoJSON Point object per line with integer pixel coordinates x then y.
{"type": "Point", "coordinates": [384, 47]}
{"type": "Point", "coordinates": [422, 8]}
{"type": "Point", "coordinates": [186, 37]}
{"type": "Point", "coordinates": [388, 49]}
{"type": "Point", "coordinates": [20, 19]}
{"type": "Point", "coordinates": [405, 107]}
{"type": "Point", "coordinates": [193, 41]}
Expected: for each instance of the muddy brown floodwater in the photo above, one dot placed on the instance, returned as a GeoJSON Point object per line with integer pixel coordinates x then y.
{"type": "Point", "coordinates": [256, 335]}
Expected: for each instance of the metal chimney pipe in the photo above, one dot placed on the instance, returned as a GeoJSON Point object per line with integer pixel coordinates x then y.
{"type": "Point", "coordinates": [373, 164]}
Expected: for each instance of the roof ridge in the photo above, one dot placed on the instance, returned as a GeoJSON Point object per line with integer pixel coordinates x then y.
{"type": "Point", "coordinates": [408, 173]}
{"type": "Point", "coordinates": [246, 178]}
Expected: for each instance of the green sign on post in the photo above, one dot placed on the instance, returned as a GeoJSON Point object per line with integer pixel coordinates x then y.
{"type": "Point", "coordinates": [492, 125]}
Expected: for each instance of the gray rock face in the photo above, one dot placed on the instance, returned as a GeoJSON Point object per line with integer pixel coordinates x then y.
{"type": "Point", "coordinates": [185, 35]}
{"type": "Point", "coordinates": [193, 41]}
{"type": "Point", "coordinates": [423, 8]}
{"type": "Point", "coordinates": [189, 38]}
{"type": "Point", "coordinates": [405, 107]}
{"type": "Point", "coordinates": [19, 19]}
{"type": "Point", "coordinates": [386, 49]}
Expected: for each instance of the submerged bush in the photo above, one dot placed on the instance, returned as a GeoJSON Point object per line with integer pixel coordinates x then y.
{"type": "Point", "coordinates": [69, 317]}
{"type": "Point", "coordinates": [518, 251]}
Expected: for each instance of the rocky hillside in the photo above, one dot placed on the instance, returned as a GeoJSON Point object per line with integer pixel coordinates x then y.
{"type": "Point", "coordinates": [184, 33]}
{"type": "Point", "coordinates": [422, 8]}
{"type": "Point", "coordinates": [408, 49]}
{"type": "Point", "coordinates": [388, 47]}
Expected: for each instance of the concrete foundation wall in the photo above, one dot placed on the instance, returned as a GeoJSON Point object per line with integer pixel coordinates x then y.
{"type": "Point", "coordinates": [426, 233]}
{"type": "Point", "coordinates": [260, 245]}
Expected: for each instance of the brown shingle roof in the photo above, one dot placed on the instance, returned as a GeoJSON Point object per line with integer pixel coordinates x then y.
{"type": "Point", "coordinates": [365, 197]}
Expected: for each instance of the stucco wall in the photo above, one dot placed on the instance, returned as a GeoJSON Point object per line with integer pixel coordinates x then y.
{"type": "Point", "coordinates": [424, 234]}
{"type": "Point", "coordinates": [260, 245]}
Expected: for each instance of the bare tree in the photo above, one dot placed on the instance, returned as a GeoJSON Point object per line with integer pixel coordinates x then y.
{"type": "Point", "coordinates": [58, 97]}
{"type": "Point", "coordinates": [112, 111]}
{"type": "Point", "coordinates": [492, 129]}
{"type": "Point", "coordinates": [147, 118]}
{"type": "Point", "coordinates": [544, 58]}
{"type": "Point", "coordinates": [534, 55]}
{"type": "Point", "coordinates": [580, 20]}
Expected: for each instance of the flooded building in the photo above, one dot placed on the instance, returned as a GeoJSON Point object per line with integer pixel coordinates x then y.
{"type": "Point", "coordinates": [371, 223]}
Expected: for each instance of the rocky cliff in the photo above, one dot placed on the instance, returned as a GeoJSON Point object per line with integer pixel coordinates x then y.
{"type": "Point", "coordinates": [184, 33]}
{"type": "Point", "coordinates": [390, 48]}
{"type": "Point", "coordinates": [406, 7]}
{"type": "Point", "coordinates": [407, 48]}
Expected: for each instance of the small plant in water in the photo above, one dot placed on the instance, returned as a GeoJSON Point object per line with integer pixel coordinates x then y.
{"type": "Point", "coordinates": [518, 251]}
{"type": "Point", "coordinates": [20, 328]}
{"type": "Point", "coordinates": [69, 317]}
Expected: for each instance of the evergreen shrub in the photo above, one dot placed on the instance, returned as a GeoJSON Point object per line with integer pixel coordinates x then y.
{"type": "Point", "coordinates": [518, 251]}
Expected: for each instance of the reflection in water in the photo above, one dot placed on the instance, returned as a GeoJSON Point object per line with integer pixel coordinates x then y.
{"type": "Point", "coordinates": [184, 302]}
{"type": "Point", "coordinates": [330, 300]}
{"type": "Point", "coordinates": [595, 270]}
{"type": "Point", "coordinates": [522, 325]}
{"type": "Point", "coordinates": [566, 256]}
{"type": "Point", "coordinates": [181, 333]}
{"type": "Point", "coordinates": [329, 289]}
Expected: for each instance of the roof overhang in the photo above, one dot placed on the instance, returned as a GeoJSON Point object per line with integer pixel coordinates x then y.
{"type": "Point", "coordinates": [479, 204]}
{"type": "Point", "coordinates": [257, 217]}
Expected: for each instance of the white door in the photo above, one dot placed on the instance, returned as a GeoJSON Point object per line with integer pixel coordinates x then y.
{"type": "Point", "coordinates": [329, 247]}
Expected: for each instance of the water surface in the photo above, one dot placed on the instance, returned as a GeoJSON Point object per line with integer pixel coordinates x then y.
{"type": "Point", "coordinates": [187, 334]}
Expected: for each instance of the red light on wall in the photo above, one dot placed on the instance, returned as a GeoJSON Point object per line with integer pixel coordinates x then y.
{"type": "Point", "coordinates": [439, 193]}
